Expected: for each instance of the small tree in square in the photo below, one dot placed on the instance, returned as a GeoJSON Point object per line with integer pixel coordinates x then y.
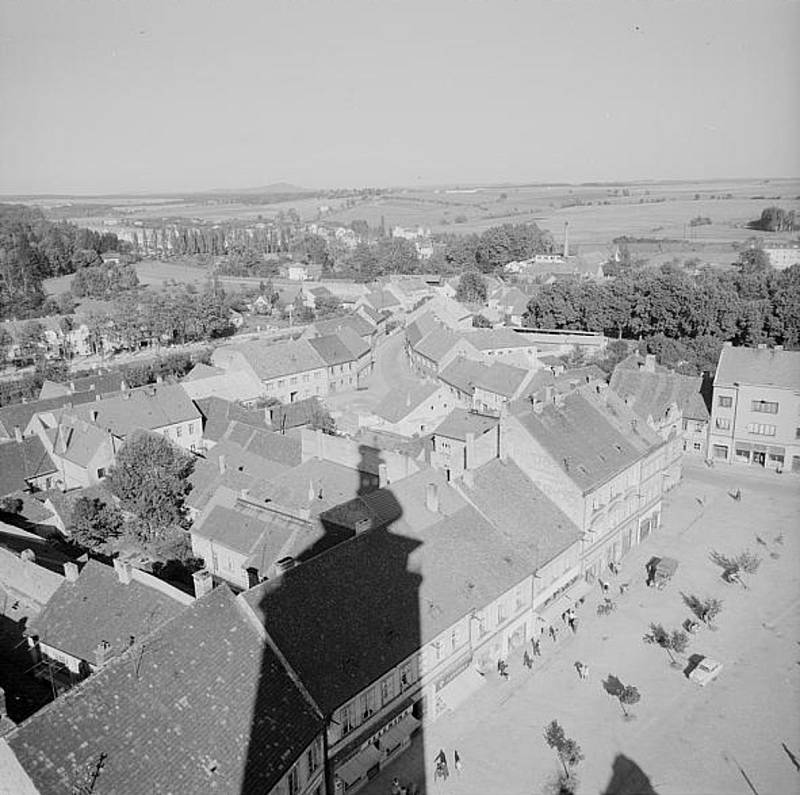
{"type": "Point", "coordinates": [627, 696]}
{"type": "Point", "coordinates": [675, 642]}
{"type": "Point", "coordinates": [705, 609]}
{"type": "Point", "coordinates": [569, 753]}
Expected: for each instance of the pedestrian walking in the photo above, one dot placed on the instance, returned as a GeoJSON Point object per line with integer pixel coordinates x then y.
{"type": "Point", "coordinates": [552, 633]}
{"type": "Point", "coordinates": [573, 623]}
{"type": "Point", "coordinates": [527, 660]}
{"type": "Point", "coordinates": [584, 671]}
{"type": "Point", "coordinates": [537, 649]}
{"type": "Point", "coordinates": [396, 787]}
{"type": "Point", "coordinates": [457, 761]}
{"type": "Point", "coordinates": [579, 668]}
{"type": "Point", "coordinates": [606, 587]}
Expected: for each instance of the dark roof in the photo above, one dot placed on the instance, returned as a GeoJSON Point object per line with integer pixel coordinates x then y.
{"type": "Point", "coordinates": [98, 607]}
{"type": "Point", "coordinates": [331, 349]}
{"type": "Point", "coordinates": [360, 325]}
{"type": "Point", "coordinates": [234, 529]}
{"type": "Point", "coordinates": [584, 435]}
{"type": "Point", "coordinates": [19, 414]}
{"type": "Point", "coordinates": [21, 461]}
{"type": "Point", "coordinates": [297, 414]}
{"type": "Point", "coordinates": [505, 495]}
{"type": "Point", "coordinates": [499, 377]}
{"type": "Point", "coordinates": [369, 603]}
{"type": "Point", "coordinates": [437, 344]}
{"type": "Point", "coordinates": [100, 383]}
{"type": "Point", "coordinates": [218, 414]}
{"type": "Point", "coordinates": [759, 367]}
{"type": "Point", "coordinates": [202, 705]}
{"type": "Point", "coordinates": [459, 422]}
{"type": "Point", "coordinates": [650, 394]}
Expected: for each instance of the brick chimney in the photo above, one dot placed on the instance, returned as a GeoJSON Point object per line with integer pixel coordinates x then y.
{"type": "Point", "coordinates": [203, 583]}
{"type": "Point", "coordinates": [123, 569]}
{"type": "Point", "coordinates": [432, 498]}
{"type": "Point", "coordinates": [71, 571]}
{"type": "Point", "coordinates": [101, 653]}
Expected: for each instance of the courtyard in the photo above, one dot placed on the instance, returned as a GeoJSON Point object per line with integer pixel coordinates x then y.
{"type": "Point", "coordinates": [739, 734]}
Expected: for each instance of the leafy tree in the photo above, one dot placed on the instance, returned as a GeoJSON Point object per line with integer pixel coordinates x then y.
{"type": "Point", "coordinates": [461, 251]}
{"type": "Point", "coordinates": [397, 255]}
{"type": "Point", "coordinates": [479, 321]}
{"type": "Point", "coordinates": [705, 609]}
{"type": "Point", "coordinates": [500, 245]}
{"type": "Point", "coordinates": [93, 523]}
{"type": "Point", "coordinates": [569, 752]}
{"type": "Point", "coordinates": [775, 219]}
{"type": "Point", "coordinates": [150, 478]}
{"type": "Point", "coordinates": [12, 505]}
{"type": "Point", "coordinates": [671, 642]}
{"type": "Point", "coordinates": [628, 696]}
{"type": "Point", "coordinates": [310, 248]}
{"type": "Point", "coordinates": [471, 288]}
{"type": "Point", "coordinates": [328, 305]}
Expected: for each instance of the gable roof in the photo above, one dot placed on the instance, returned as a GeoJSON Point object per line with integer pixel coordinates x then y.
{"type": "Point", "coordinates": [25, 578]}
{"type": "Point", "coordinates": [230, 385]}
{"type": "Point", "coordinates": [279, 359]}
{"type": "Point", "coordinates": [400, 403]}
{"type": "Point", "coordinates": [356, 344]}
{"type": "Point", "coordinates": [22, 461]}
{"type": "Point", "coordinates": [459, 422]}
{"type": "Point", "coordinates": [331, 349]}
{"type": "Point", "coordinates": [650, 394]}
{"type": "Point", "coordinates": [78, 441]}
{"type": "Point", "coordinates": [421, 327]}
{"type": "Point", "coordinates": [146, 408]}
{"type": "Point", "coordinates": [759, 367]}
{"type": "Point", "coordinates": [500, 378]}
{"type": "Point", "coordinates": [100, 383]}
{"type": "Point", "coordinates": [219, 413]}
{"type": "Point", "coordinates": [436, 345]}
{"type": "Point", "coordinates": [496, 339]}
{"type": "Point", "coordinates": [507, 497]}
{"type": "Point", "coordinates": [354, 321]}
{"type": "Point", "coordinates": [203, 682]}
{"type": "Point", "coordinates": [19, 414]}
{"type": "Point", "coordinates": [584, 438]}
{"type": "Point", "coordinates": [369, 603]}
{"type": "Point", "coordinates": [98, 607]}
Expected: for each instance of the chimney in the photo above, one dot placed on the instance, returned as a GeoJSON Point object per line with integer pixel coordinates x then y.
{"type": "Point", "coordinates": [283, 565]}
{"type": "Point", "coordinates": [71, 571]}
{"type": "Point", "coordinates": [94, 413]}
{"type": "Point", "coordinates": [383, 476]}
{"type": "Point", "coordinates": [432, 498]}
{"type": "Point", "coordinates": [650, 363]}
{"type": "Point", "coordinates": [123, 569]}
{"type": "Point", "coordinates": [203, 583]}
{"type": "Point", "coordinates": [222, 464]}
{"type": "Point", "coordinates": [101, 653]}
{"type": "Point", "coordinates": [566, 239]}
{"type": "Point", "coordinates": [17, 433]}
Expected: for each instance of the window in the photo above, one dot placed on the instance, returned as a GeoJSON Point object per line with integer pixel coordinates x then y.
{"type": "Point", "coordinates": [697, 446]}
{"type": "Point", "coordinates": [293, 381]}
{"type": "Point", "coordinates": [502, 614]}
{"type": "Point", "coordinates": [764, 407]}
{"type": "Point", "coordinates": [347, 719]}
{"type": "Point", "coordinates": [797, 433]}
{"type": "Point", "coordinates": [720, 451]}
{"type": "Point", "coordinates": [519, 597]}
{"type": "Point", "coordinates": [312, 758]}
{"type": "Point", "coordinates": [178, 432]}
{"type": "Point", "coordinates": [368, 703]}
{"type": "Point", "coordinates": [760, 429]}
{"type": "Point", "coordinates": [280, 383]}
{"type": "Point", "coordinates": [387, 690]}
{"type": "Point", "coordinates": [406, 675]}
{"type": "Point", "coordinates": [724, 401]}
{"type": "Point", "coordinates": [306, 378]}
{"type": "Point", "coordinates": [101, 473]}
{"type": "Point", "coordinates": [723, 423]}
{"type": "Point", "coordinates": [191, 429]}
{"type": "Point", "coordinates": [294, 781]}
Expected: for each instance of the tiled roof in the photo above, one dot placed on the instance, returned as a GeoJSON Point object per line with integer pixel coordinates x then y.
{"type": "Point", "coordinates": [495, 339]}
{"type": "Point", "coordinates": [459, 422]}
{"type": "Point", "coordinates": [146, 408]}
{"type": "Point", "coordinates": [231, 528]}
{"type": "Point", "coordinates": [651, 393]}
{"type": "Point", "coordinates": [517, 507]}
{"type": "Point", "coordinates": [421, 327]}
{"type": "Point", "coordinates": [436, 345]}
{"type": "Point", "coordinates": [371, 602]}
{"type": "Point", "coordinates": [99, 383]}
{"type": "Point", "coordinates": [229, 385]}
{"type": "Point", "coordinates": [360, 325]}
{"type": "Point", "coordinates": [200, 371]}
{"type": "Point", "coordinates": [500, 378]}
{"type": "Point", "coordinates": [585, 439]}
{"type": "Point", "coordinates": [297, 414]}
{"type": "Point", "coordinates": [356, 344]}
{"type": "Point", "coordinates": [280, 358]}
{"type": "Point", "coordinates": [758, 366]}
{"type": "Point", "coordinates": [19, 414]}
{"type": "Point", "coordinates": [331, 350]}
{"type": "Point", "coordinates": [202, 705]}
{"type": "Point", "coordinates": [401, 402]}
{"type": "Point", "coordinates": [98, 607]}
{"type": "Point", "coordinates": [78, 441]}
{"type": "Point", "coordinates": [218, 415]}
{"type": "Point", "coordinates": [20, 461]}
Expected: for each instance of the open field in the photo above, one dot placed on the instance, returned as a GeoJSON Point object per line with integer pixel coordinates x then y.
{"type": "Point", "coordinates": [733, 736]}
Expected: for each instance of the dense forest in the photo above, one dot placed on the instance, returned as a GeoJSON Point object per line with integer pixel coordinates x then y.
{"type": "Point", "coordinates": [682, 316]}
{"type": "Point", "coordinates": [33, 249]}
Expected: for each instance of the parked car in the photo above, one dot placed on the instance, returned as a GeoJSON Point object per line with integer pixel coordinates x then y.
{"type": "Point", "coordinates": [705, 671]}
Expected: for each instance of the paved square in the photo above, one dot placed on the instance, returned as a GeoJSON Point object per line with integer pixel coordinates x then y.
{"type": "Point", "coordinates": [725, 738]}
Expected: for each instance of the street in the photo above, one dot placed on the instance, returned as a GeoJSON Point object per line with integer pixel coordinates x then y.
{"type": "Point", "coordinates": [733, 736]}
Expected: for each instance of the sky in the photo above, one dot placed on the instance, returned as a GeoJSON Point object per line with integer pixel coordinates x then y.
{"type": "Point", "coordinates": [113, 96]}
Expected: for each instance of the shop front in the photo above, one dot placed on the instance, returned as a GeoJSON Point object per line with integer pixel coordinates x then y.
{"type": "Point", "coordinates": [549, 613]}
{"type": "Point", "coordinates": [456, 685]}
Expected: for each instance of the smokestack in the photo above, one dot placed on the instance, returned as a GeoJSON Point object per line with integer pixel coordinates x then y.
{"type": "Point", "coordinates": [123, 570]}
{"type": "Point", "coordinates": [566, 239]}
{"type": "Point", "coordinates": [432, 498]}
{"type": "Point", "coordinates": [71, 571]}
{"type": "Point", "coordinates": [203, 582]}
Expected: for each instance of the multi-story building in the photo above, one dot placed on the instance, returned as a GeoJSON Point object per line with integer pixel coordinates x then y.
{"type": "Point", "coordinates": [755, 415]}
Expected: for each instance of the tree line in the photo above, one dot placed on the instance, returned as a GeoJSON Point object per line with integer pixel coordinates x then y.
{"type": "Point", "coordinates": [33, 249]}
{"type": "Point", "coordinates": [682, 317]}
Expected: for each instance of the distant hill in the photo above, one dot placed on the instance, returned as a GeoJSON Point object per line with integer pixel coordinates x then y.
{"type": "Point", "coordinates": [275, 187]}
